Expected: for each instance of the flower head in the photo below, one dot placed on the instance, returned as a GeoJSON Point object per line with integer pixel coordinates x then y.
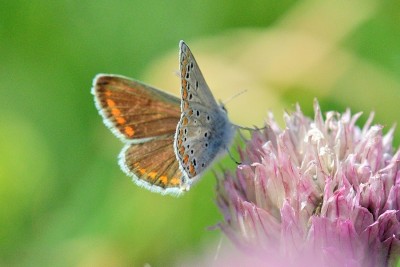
{"type": "Point", "coordinates": [323, 192]}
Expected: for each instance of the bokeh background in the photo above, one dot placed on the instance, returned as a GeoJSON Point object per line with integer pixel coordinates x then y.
{"type": "Point", "coordinates": [64, 200]}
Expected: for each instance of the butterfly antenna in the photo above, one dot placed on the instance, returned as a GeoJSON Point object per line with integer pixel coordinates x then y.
{"type": "Point", "coordinates": [223, 103]}
{"type": "Point", "coordinates": [232, 97]}
{"type": "Point", "coordinates": [242, 137]}
{"type": "Point", "coordinates": [250, 129]}
{"type": "Point", "coordinates": [234, 160]}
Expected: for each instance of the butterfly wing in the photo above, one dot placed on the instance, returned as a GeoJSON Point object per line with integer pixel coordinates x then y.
{"type": "Point", "coordinates": [204, 130]}
{"type": "Point", "coordinates": [145, 118]}
{"type": "Point", "coordinates": [135, 111]}
{"type": "Point", "coordinates": [153, 165]}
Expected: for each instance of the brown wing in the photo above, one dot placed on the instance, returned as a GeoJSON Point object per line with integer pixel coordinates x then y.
{"type": "Point", "coordinates": [153, 165]}
{"type": "Point", "coordinates": [133, 110]}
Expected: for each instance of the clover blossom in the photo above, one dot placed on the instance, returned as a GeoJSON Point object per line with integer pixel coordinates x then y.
{"type": "Point", "coordinates": [321, 192]}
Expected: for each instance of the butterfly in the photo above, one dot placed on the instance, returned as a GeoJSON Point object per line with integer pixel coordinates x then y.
{"type": "Point", "coordinates": [169, 141]}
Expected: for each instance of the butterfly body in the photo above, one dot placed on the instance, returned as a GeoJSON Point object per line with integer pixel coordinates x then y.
{"type": "Point", "coordinates": [169, 142]}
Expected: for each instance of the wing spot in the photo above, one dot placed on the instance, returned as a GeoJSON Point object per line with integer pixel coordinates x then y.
{"type": "Point", "coordinates": [192, 170]}
{"type": "Point", "coordinates": [191, 65]}
{"type": "Point", "coordinates": [163, 179]}
{"type": "Point", "coordinates": [186, 159]}
{"type": "Point", "coordinates": [120, 120]}
{"type": "Point", "coordinates": [107, 93]}
{"type": "Point", "coordinates": [185, 105]}
{"type": "Point", "coordinates": [187, 75]}
{"type": "Point", "coordinates": [174, 181]}
{"type": "Point", "coordinates": [185, 121]}
{"type": "Point", "coordinates": [181, 150]}
{"type": "Point", "coordinates": [208, 117]}
{"type": "Point", "coordinates": [205, 134]}
{"type": "Point", "coordinates": [206, 144]}
{"type": "Point", "coordinates": [194, 162]}
{"type": "Point", "coordinates": [197, 84]}
{"type": "Point", "coordinates": [110, 103]}
{"type": "Point", "coordinates": [129, 131]}
{"type": "Point", "coordinates": [142, 171]}
{"type": "Point", "coordinates": [152, 175]}
{"type": "Point", "coordinates": [202, 165]}
{"type": "Point", "coordinates": [191, 151]}
{"type": "Point", "coordinates": [190, 96]}
{"type": "Point", "coordinates": [184, 93]}
{"type": "Point", "coordinates": [184, 83]}
{"type": "Point", "coordinates": [198, 113]}
{"type": "Point", "coordinates": [115, 112]}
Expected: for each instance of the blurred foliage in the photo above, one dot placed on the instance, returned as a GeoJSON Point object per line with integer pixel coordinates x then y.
{"type": "Point", "coordinates": [64, 201]}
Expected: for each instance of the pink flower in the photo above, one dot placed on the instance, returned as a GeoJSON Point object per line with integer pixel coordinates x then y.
{"type": "Point", "coordinates": [317, 193]}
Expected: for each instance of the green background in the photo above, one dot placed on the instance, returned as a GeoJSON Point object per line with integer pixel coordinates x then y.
{"type": "Point", "coordinates": [63, 199]}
